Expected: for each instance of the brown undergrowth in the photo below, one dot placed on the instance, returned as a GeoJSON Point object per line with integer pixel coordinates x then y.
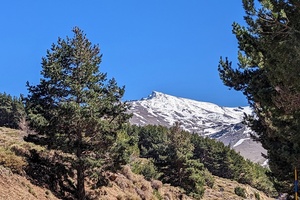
{"type": "Point", "coordinates": [30, 172]}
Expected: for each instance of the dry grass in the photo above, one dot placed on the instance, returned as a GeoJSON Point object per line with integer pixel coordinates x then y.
{"type": "Point", "coordinates": [13, 149]}
{"type": "Point", "coordinates": [124, 185]}
{"type": "Point", "coordinates": [16, 187]}
{"type": "Point", "coordinates": [13, 186]}
{"type": "Point", "coordinates": [10, 160]}
{"type": "Point", "coordinates": [224, 189]}
{"type": "Point", "coordinates": [129, 186]}
{"type": "Point", "coordinates": [10, 138]}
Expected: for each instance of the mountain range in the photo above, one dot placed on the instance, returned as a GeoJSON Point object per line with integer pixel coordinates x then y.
{"type": "Point", "coordinates": [203, 118]}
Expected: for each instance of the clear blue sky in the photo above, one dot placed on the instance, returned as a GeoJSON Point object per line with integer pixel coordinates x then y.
{"type": "Point", "coordinates": [171, 46]}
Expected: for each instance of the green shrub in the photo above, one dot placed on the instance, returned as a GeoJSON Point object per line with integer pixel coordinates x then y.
{"type": "Point", "coordinates": [146, 168]}
{"type": "Point", "coordinates": [209, 179]}
{"type": "Point", "coordinates": [257, 196]}
{"type": "Point", "coordinates": [240, 191]}
{"type": "Point", "coordinates": [157, 195]}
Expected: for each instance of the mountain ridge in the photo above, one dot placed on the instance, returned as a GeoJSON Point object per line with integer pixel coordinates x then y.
{"type": "Point", "coordinates": [203, 118]}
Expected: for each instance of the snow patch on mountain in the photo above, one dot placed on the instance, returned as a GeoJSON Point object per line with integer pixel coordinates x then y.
{"type": "Point", "coordinates": [203, 118]}
{"type": "Point", "coordinates": [240, 142]}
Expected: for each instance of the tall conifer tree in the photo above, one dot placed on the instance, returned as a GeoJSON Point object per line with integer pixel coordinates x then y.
{"type": "Point", "coordinates": [268, 74]}
{"type": "Point", "coordinates": [74, 107]}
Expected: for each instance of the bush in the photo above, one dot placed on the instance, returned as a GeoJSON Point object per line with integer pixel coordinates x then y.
{"type": "Point", "coordinates": [257, 196]}
{"type": "Point", "coordinates": [157, 195]}
{"type": "Point", "coordinates": [209, 179]}
{"type": "Point", "coordinates": [10, 160]}
{"type": "Point", "coordinates": [146, 168]}
{"type": "Point", "coordinates": [156, 184]}
{"type": "Point", "coordinates": [240, 191]}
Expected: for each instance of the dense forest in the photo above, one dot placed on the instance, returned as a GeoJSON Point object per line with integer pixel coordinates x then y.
{"type": "Point", "coordinates": [77, 115]}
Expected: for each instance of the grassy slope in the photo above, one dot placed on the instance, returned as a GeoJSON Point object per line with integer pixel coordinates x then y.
{"type": "Point", "coordinates": [123, 185]}
{"type": "Point", "coordinates": [14, 187]}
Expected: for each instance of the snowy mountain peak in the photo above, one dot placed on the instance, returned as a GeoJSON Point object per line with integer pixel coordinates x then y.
{"type": "Point", "coordinates": [203, 118]}
{"type": "Point", "coordinates": [171, 109]}
{"type": "Point", "coordinates": [154, 94]}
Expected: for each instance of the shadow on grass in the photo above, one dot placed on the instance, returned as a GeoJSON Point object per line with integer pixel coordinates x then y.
{"type": "Point", "coordinates": [50, 172]}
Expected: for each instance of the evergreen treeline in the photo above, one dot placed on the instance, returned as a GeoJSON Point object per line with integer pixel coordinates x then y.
{"type": "Point", "coordinates": [11, 111]}
{"type": "Point", "coordinates": [224, 162]}
{"type": "Point", "coordinates": [189, 160]}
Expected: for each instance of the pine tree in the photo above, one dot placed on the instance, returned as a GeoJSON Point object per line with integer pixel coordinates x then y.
{"type": "Point", "coordinates": [74, 107]}
{"type": "Point", "coordinates": [11, 111]}
{"type": "Point", "coordinates": [171, 151]}
{"type": "Point", "coordinates": [268, 75]}
{"type": "Point", "coordinates": [180, 169]}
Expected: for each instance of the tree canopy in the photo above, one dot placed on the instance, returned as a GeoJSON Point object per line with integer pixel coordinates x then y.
{"type": "Point", "coordinates": [268, 75]}
{"type": "Point", "coordinates": [189, 160]}
{"type": "Point", "coordinates": [11, 111]}
{"type": "Point", "coordinates": [75, 108]}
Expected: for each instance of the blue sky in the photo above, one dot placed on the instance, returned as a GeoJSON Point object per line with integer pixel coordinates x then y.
{"type": "Point", "coordinates": [168, 46]}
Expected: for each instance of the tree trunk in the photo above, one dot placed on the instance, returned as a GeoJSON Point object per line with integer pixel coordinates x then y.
{"type": "Point", "coordinates": [80, 169]}
{"type": "Point", "coordinates": [80, 182]}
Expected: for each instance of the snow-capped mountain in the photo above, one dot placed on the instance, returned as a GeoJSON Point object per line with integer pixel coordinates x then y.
{"type": "Point", "coordinates": [207, 119]}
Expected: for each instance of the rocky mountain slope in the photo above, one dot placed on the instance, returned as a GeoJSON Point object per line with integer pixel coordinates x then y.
{"type": "Point", "coordinates": [207, 119]}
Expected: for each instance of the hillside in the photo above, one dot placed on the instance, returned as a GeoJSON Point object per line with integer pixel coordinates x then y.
{"type": "Point", "coordinates": [16, 187]}
{"type": "Point", "coordinates": [16, 183]}
{"type": "Point", "coordinates": [203, 118]}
